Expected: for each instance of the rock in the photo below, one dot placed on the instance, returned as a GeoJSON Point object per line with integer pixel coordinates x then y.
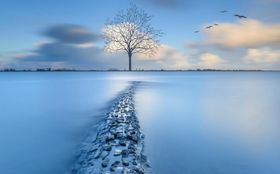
{"type": "Point", "coordinates": [114, 166]}
{"type": "Point", "coordinates": [122, 143]}
{"type": "Point", "coordinates": [97, 154]}
{"type": "Point", "coordinates": [105, 163]}
{"type": "Point", "coordinates": [104, 154]}
{"type": "Point", "coordinates": [118, 143]}
{"type": "Point", "coordinates": [117, 152]}
{"type": "Point", "coordinates": [134, 162]}
{"type": "Point", "coordinates": [110, 137]}
{"type": "Point", "coordinates": [116, 163]}
{"type": "Point", "coordinates": [124, 153]}
{"type": "Point", "coordinates": [125, 162]}
{"type": "Point", "coordinates": [107, 147]}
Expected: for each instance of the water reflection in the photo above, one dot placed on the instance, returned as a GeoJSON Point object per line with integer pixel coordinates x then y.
{"type": "Point", "coordinates": [200, 123]}
{"type": "Point", "coordinates": [212, 123]}
{"type": "Point", "coordinates": [44, 117]}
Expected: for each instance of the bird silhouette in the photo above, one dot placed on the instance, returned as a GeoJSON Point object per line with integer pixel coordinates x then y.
{"type": "Point", "coordinates": [240, 16]}
{"type": "Point", "coordinates": [196, 31]}
{"type": "Point", "coordinates": [216, 24]}
{"type": "Point", "coordinates": [224, 11]}
{"type": "Point", "coordinates": [208, 27]}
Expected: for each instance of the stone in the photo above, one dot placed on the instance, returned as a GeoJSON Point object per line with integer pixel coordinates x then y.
{"type": "Point", "coordinates": [97, 154]}
{"type": "Point", "coordinates": [122, 143]}
{"type": "Point", "coordinates": [110, 137]}
{"type": "Point", "coordinates": [125, 153]}
{"type": "Point", "coordinates": [107, 147]}
{"type": "Point", "coordinates": [118, 145]}
{"type": "Point", "coordinates": [105, 163]}
{"type": "Point", "coordinates": [114, 166]}
{"type": "Point", "coordinates": [117, 152]}
{"type": "Point", "coordinates": [125, 162]}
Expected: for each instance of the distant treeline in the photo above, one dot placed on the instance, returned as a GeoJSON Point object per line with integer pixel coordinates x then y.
{"type": "Point", "coordinates": [114, 69]}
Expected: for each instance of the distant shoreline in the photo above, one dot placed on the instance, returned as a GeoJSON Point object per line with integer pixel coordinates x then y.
{"type": "Point", "coordinates": [195, 70]}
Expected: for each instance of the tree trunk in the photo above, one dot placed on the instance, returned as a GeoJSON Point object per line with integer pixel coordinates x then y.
{"type": "Point", "coordinates": [129, 60]}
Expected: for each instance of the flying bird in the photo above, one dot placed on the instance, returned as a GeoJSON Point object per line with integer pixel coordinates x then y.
{"type": "Point", "coordinates": [224, 11]}
{"type": "Point", "coordinates": [216, 24]}
{"type": "Point", "coordinates": [240, 16]}
{"type": "Point", "coordinates": [208, 27]}
{"type": "Point", "coordinates": [196, 31]}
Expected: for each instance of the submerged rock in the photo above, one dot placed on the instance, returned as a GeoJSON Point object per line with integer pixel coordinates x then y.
{"type": "Point", "coordinates": [117, 152]}
{"type": "Point", "coordinates": [119, 144]}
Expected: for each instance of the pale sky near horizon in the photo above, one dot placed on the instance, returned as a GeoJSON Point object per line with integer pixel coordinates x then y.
{"type": "Point", "coordinates": [32, 34]}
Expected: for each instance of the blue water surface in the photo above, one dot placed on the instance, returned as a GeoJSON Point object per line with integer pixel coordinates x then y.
{"type": "Point", "coordinates": [194, 122]}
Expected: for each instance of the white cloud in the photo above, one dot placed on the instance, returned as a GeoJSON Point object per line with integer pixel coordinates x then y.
{"type": "Point", "coordinates": [85, 45]}
{"type": "Point", "coordinates": [246, 44]}
{"type": "Point", "coordinates": [262, 55]}
{"type": "Point", "coordinates": [169, 58]}
{"type": "Point", "coordinates": [25, 55]}
{"type": "Point", "coordinates": [208, 60]}
{"type": "Point", "coordinates": [246, 33]}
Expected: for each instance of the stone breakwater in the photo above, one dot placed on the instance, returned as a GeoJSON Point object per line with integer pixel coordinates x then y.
{"type": "Point", "coordinates": [119, 144]}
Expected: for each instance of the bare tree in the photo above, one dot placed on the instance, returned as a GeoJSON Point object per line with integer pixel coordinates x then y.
{"type": "Point", "coordinates": [131, 31]}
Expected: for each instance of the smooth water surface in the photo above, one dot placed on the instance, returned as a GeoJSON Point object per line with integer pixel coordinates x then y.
{"type": "Point", "coordinates": [212, 122]}
{"type": "Point", "coordinates": [194, 122]}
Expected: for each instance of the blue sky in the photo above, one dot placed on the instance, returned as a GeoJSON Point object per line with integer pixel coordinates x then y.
{"type": "Point", "coordinates": [23, 22]}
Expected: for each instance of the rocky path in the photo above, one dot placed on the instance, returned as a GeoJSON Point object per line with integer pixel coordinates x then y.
{"type": "Point", "coordinates": [119, 144]}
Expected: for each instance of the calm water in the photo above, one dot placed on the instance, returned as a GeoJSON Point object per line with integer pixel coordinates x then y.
{"type": "Point", "coordinates": [194, 122]}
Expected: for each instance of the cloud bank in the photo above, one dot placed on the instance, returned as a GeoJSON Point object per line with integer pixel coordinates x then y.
{"type": "Point", "coordinates": [263, 55]}
{"type": "Point", "coordinates": [246, 44]}
{"type": "Point", "coordinates": [70, 33]}
{"type": "Point", "coordinates": [208, 60]}
{"type": "Point", "coordinates": [171, 58]}
{"type": "Point", "coordinates": [246, 33]}
{"type": "Point", "coordinates": [72, 46]}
